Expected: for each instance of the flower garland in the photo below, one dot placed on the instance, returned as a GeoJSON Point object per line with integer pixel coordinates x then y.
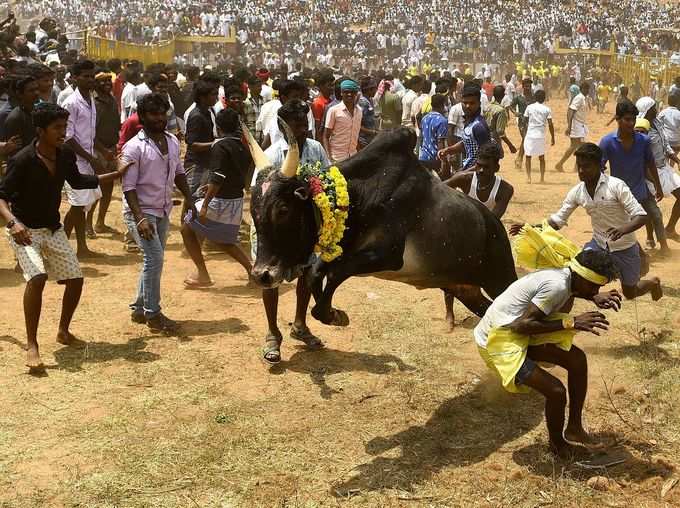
{"type": "Point", "coordinates": [329, 193]}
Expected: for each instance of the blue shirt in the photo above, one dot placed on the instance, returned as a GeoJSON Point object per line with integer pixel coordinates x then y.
{"type": "Point", "coordinates": [367, 119]}
{"type": "Point", "coordinates": [475, 134]}
{"type": "Point", "coordinates": [630, 166]}
{"type": "Point", "coordinates": [433, 127]}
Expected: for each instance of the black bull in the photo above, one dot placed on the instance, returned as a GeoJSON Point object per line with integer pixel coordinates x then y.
{"type": "Point", "coordinates": [403, 225]}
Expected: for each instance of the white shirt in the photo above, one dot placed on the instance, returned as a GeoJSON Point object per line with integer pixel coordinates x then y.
{"type": "Point", "coordinates": [64, 94]}
{"type": "Point", "coordinates": [613, 206]}
{"type": "Point", "coordinates": [538, 115]}
{"type": "Point", "coordinates": [579, 105]}
{"type": "Point", "coordinates": [268, 111]}
{"type": "Point", "coordinates": [406, 103]}
{"type": "Point", "coordinates": [670, 119]}
{"type": "Point", "coordinates": [127, 101]}
{"type": "Point", "coordinates": [548, 290]}
{"type": "Point", "coordinates": [457, 119]}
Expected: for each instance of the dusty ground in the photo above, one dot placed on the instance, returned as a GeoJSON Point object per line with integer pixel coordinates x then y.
{"type": "Point", "coordinates": [394, 412]}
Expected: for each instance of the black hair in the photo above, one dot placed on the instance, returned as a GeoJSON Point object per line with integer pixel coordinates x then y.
{"type": "Point", "coordinates": [114, 64]}
{"type": "Point", "coordinates": [296, 110]}
{"type": "Point", "coordinates": [202, 88]}
{"type": "Point", "coordinates": [45, 113]}
{"type": "Point", "coordinates": [589, 151]}
{"type": "Point", "coordinates": [438, 101]}
{"type": "Point", "coordinates": [471, 89]}
{"type": "Point", "coordinates": [211, 77]}
{"type": "Point", "coordinates": [325, 78]}
{"type": "Point", "coordinates": [155, 79]}
{"type": "Point", "coordinates": [674, 99]}
{"type": "Point", "coordinates": [599, 261]}
{"type": "Point", "coordinates": [498, 93]}
{"type": "Point", "coordinates": [151, 103]}
{"type": "Point", "coordinates": [21, 83]}
{"type": "Point", "coordinates": [624, 108]}
{"type": "Point", "coordinates": [623, 91]}
{"type": "Point", "coordinates": [490, 150]}
{"type": "Point", "coordinates": [38, 70]}
{"type": "Point", "coordinates": [82, 65]}
{"type": "Point", "coordinates": [233, 89]}
{"type": "Point", "coordinates": [289, 86]}
{"type": "Point", "coordinates": [540, 96]}
{"type": "Point", "coordinates": [253, 80]}
{"type": "Point", "coordinates": [228, 120]}
{"type": "Point", "coordinates": [584, 87]}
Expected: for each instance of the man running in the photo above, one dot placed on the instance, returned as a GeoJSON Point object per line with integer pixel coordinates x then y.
{"type": "Point", "coordinates": [576, 124]}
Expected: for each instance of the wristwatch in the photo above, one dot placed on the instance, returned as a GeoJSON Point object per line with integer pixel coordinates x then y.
{"type": "Point", "coordinates": [568, 323]}
{"type": "Point", "coordinates": [11, 224]}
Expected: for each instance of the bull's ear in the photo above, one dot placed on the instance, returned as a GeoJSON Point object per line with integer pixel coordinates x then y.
{"type": "Point", "coordinates": [302, 193]}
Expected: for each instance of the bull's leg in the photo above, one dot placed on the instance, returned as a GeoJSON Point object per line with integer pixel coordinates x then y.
{"type": "Point", "coordinates": [374, 259]}
{"type": "Point", "coordinates": [472, 298]}
{"type": "Point", "coordinates": [314, 278]}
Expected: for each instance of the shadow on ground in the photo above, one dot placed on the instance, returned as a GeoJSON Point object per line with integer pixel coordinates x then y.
{"type": "Point", "coordinates": [319, 363]}
{"type": "Point", "coordinates": [464, 430]}
{"type": "Point", "coordinates": [72, 359]}
{"type": "Point", "coordinates": [9, 278]}
{"type": "Point", "coordinates": [200, 328]}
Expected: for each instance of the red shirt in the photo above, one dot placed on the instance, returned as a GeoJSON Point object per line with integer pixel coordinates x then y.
{"type": "Point", "coordinates": [129, 130]}
{"type": "Point", "coordinates": [318, 106]}
{"type": "Point", "coordinates": [118, 85]}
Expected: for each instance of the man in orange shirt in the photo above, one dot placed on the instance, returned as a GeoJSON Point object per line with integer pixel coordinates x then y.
{"type": "Point", "coordinates": [325, 84]}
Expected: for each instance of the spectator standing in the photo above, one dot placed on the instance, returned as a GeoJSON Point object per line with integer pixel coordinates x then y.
{"type": "Point", "coordinates": [343, 123]}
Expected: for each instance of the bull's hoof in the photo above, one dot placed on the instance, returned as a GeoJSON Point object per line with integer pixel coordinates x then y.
{"type": "Point", "coordinates": [334, 317]}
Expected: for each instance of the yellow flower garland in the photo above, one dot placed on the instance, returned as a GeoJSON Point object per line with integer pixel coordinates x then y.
{"type": "Point", "coordinates": [333, 218]}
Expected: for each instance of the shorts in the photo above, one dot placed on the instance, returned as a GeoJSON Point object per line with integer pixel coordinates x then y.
{"type": "Point", "coordinates": [525, 371]}
{"type": "Point", "coordinates": [627, 261]}
{"type": "Point", "coordinates": [223, 220]}
{"type": "Point", "coordinates": [49, 253]}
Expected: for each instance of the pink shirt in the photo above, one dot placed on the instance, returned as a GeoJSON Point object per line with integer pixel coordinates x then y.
{"type": "Point", "coordinates": [81, 126]}
{"type": "Point", "coordinates": [344, 134]}
{"type": "Point", "coordinates": [151, 174]}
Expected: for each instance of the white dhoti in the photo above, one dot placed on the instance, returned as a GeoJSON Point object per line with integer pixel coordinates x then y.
{"type": "Point", "coordinates": [578, 130]}
{"type": "Point", "coordinates": [534, 147]}
{"type": "Point", "coordinates": [83, 197]}
{"type": "Point", "coordinates": [669, 178]}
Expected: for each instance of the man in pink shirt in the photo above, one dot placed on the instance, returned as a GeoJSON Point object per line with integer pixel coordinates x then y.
{"type": "Point", "coordinates": [148, 185]}
{"type": "Point", "coordinates": [343, 123]}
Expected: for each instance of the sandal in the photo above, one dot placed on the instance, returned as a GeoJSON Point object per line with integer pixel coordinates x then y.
{"type": "Point", "coordinates": [306, 336]}
{"type": "Point", "coordinates": [91, 234]}
{"type": "Point", "coordinates": [271, 353]}
{"type": "Point", "coordinates": [196, 284]}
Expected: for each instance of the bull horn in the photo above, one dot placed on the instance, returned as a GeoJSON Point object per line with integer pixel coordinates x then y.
{"type": "Point", "coordinates": [290, 163]}
{"type": "Point", "coordinates": [259, 157]}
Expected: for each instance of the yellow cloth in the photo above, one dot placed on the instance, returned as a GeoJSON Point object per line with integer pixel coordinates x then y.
{"type": "Point", "coordinates": [543, 247]}
{"type": "Point", "coordinates": [506, 350]}
{"type": "Point", "coordinates": [427, 106]}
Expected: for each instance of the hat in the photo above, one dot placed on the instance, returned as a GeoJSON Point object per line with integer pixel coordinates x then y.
{"type": "Point", "coordinates": [643, 123]}
{"type": "Point", "coordinates": [643, 105]}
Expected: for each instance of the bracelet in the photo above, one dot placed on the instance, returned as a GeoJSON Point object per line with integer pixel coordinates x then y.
{"type": "Point", "coordinates": [143, 219]}
{"type": "Point", "coordinates": [568, 323]}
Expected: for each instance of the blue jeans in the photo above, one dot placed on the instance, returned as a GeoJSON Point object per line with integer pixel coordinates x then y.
{"type": "Point", "coordinates": [148, 299]}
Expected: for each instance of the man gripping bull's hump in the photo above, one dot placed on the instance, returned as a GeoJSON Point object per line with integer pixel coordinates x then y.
{"type": "Point", "coordinates": [399, 222]}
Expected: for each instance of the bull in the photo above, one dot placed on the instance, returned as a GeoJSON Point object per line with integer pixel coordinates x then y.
{"type": "Point", "coordinates": [403, 225]}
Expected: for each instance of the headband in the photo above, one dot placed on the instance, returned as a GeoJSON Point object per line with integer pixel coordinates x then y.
{"type": "Point", "coordinates": [587, 273]}
{"type": "Point", "coordinates": [349, 85]}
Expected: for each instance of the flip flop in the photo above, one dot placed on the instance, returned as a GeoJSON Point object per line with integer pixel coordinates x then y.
{"type": "Point", "coordinates": [195, 284]}
{"type": "Point", "coordinates": [91, 234]}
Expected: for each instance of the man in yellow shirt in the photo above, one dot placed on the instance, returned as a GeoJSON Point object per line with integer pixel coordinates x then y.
{"type": "Point", "coordinates": [603, 91]}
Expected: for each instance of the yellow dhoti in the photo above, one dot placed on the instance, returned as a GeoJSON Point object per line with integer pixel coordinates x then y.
{"type": "Point", "coordinates": [506, 350]}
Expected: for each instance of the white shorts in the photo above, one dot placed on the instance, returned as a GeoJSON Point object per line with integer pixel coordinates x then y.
{"type": "Point", "coordinates": [82, 197]}
{"type": "Point", "coordinates": [670, 181]}
{"type": "Point", "coordinates": [534, 147]}
{"type": "Point", "coordinates": [578, 130]}
{"type": "Point", "coordinates": [49, 253]}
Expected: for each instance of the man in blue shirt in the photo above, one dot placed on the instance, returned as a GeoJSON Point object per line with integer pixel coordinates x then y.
{"type": "Point", "coordinates": [630, 155]}
{"type": "Point", "coordinates": [434, 128]}
{"type": "Point", "coordinates": [476, 131]}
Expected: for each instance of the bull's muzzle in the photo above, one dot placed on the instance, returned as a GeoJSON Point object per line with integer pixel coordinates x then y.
{"type": "Point", "coordinates": [266, 277]}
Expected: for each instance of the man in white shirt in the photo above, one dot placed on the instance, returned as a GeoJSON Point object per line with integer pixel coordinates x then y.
{"type": "Point", "coordinates": [529, 323]}
{"type": "Point", "coordinates": [415, 86]}
{"type": "Point", "coordinates": [670, 119]}
{"type": "Point", "coordinates": [576, 124]}
{"type": "Point", "coordinates": [615, 214]}
{"type": "Point", "coordinates": [538, 115]}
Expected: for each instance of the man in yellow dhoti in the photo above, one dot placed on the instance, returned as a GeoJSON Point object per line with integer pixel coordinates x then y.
{"type": "Point", "coordinates": [529, 323]}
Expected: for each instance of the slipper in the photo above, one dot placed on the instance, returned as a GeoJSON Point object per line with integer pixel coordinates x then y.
{"type": "Point", "coordinates": [104, 229]}
{"type": "Point", "coordinates": [306, 336]}
{"type": "Point", "coordinates": [91, 234]}
{"type": "Point", "coordinates": [271, 352]}
{"type": "Point", "coordinates": [196, 284]}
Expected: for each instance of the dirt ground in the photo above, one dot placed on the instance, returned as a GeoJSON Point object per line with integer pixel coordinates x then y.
{"type": "Point", "coordinates": [395, 411]}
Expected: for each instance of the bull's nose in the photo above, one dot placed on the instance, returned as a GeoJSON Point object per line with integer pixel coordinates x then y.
{"type": "Point", "coordinates": [262, 277]}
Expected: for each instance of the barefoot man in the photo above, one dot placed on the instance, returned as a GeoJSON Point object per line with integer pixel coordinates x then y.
{"type": "Point", "coordinates": [529, 323]}
{"type": "Point", "coordinates": [615, 216]}
{"type": "Point", "coordinates": [30, 195]}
